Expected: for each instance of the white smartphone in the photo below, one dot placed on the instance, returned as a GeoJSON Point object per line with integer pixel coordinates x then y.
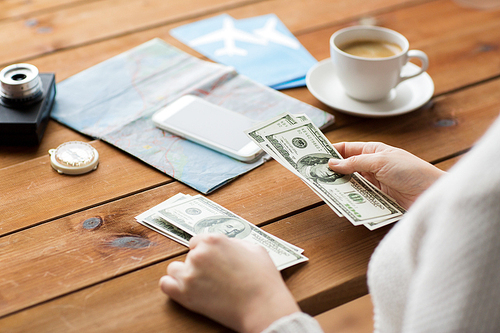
{"type": "Point", "coordinates": [210, 125]}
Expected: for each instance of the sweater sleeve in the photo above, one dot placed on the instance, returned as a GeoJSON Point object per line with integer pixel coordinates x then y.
{"type": "Point", "coordinates": [438, 270]}
{"type": "Point", "coordinates": [456, 283]}
{"type": "Point", "coordinates": [296, 322]}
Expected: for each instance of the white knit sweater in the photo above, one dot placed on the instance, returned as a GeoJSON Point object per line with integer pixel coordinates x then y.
{"type": "Point", "coordinates": [438, 270]}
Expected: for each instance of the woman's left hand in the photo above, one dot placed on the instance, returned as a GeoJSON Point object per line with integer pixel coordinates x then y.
{"type": "Point", "coordinates": [231, 281]}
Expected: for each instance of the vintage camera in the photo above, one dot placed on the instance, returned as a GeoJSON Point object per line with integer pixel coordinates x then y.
{"type": "Point", "coordinates": [26, 99]}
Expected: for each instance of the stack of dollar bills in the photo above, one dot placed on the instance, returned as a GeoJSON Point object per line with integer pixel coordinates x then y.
{"type": "Point", "coordinates": [183, 216]}
{"type": "Point", "coordinates": [296, 143]}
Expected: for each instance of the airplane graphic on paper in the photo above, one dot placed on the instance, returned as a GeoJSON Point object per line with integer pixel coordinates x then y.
{"type": "Point", "coordinates": [270, 33]}
{"type": "Point", "coordinates": [229, 34]}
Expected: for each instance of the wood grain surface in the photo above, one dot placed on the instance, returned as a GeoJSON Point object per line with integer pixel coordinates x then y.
{"type": "Point", "coordinates": [72, 257]}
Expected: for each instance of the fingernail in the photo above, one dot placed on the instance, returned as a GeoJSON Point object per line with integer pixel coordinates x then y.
{"type": "Point", "coordinates": [334, 161]}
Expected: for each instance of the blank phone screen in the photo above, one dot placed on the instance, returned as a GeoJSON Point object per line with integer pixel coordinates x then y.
{"type": "Point", "coordinates": [212, 123]}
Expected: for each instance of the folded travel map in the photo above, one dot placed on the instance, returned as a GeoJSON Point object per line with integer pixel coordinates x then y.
{"type": "Point", "coordinates": [115, 100]}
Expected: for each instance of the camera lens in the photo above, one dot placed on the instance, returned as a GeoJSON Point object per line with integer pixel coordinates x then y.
{"type": "Point", "coordinates": [20, 84]}
{"type": "Point", "coordinates": [18, 77]}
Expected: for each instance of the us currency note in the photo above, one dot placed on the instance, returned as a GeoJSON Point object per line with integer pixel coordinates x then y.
{"type": "Point", "coordinates": [277, 124]}
{"type": "Point", "coordinates": [198, 215]}
{"type": "Point", "coordinates": [162, 226]}
{"type": "Point", "coordinates": [154, 221]}
{"type": "Point", "coordinates": [272, 125]}
{"type": "Point", "coordinates": [304, 150]}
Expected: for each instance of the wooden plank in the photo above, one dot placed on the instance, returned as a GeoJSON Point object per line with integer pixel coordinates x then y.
{"type": "Point", "coordinates": [72, 61]}
{"type": "Point", "coordinates": [355, 316]}
{"type": "Point", "coordinates": [302, 16]}
{"type": "Point", "coordinates": [69, 61]}
{"type": "Point", "coordinates": [81, 250]}
{"type": "Point", "coordinates": [32, 192]}
{"type": "Point", "coordinates": [118, 245]}
{"type": "Point", "coordinates": [12, 9]}
{"type": "Point", "coordinates": [329, 277]}
{"type": "Point", "coordinates": [450, 124]}
{"type": "Point", "coordinates": [447, 164]}
{"type": "Point", "coordinates": [44, 253]}
{"type": "Point", "coordinates": [99, 253]}
{"type": "Point", "coordinates": [94, 21]}
{"type": "Point", "coordinates": [97, 20]}
{"type": "Point", "coordinates": [447, 75]}
{"type": "Point", "coordinates": [332, 277]}
{"type": "Point", "coordinates": [97, 250]}
{"type": "Point", "coordinates": [461, 54]}
{"type": "Point", "coordinates": [447, 49]}
{"type": "Point", "coordinates": [133, 302]}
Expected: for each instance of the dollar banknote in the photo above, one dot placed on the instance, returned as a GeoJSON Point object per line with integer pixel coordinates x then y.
{"type": "Point", "coordinates": [296, 143]}
{"type": "Point", "coordinates": [281, 122]}
{"type": "Point", "coordinates": [153, 220]}
{"type": "Point", "coordinates": [184, 216]}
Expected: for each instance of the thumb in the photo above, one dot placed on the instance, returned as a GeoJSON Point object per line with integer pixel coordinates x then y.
{"type": "Point", "coordinates": [359, 163]}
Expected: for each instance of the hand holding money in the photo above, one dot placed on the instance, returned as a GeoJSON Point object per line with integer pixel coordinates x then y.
{"type": "Point", "coordinates": [396, 172]}
{"type": "Point", "coordinates": [249, 292]}
{"type": "Point", "coordinates": [296, 143]}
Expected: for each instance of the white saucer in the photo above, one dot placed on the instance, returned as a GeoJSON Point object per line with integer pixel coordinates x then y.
{"type": "Point", "coordinates": [406, 97]}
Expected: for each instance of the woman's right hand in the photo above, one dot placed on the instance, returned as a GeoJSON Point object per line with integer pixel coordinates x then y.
{"type": "Point", "coordinates": [396, 172]}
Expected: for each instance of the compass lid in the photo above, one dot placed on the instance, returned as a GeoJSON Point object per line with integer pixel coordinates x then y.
{"type": "Point", "coordinates": [74, 158]}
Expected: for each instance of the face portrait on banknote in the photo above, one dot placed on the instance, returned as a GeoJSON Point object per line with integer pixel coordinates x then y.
{"type": "Point", "coordinates": [229, 226]}
{"type": "Point", "coordinates": [315, 167]}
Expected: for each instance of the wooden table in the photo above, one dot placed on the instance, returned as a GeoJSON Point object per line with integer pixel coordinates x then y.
{"type": "Point", "coordinates": [59, 275]}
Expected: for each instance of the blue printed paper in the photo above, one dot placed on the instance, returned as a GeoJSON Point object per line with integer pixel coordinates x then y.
{"type": "Point", "coordinates": [260, 48]}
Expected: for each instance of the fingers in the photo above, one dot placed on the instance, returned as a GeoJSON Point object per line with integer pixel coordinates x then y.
{"type": "Point", "coordinates": [348, 149]}
{"type": "Point", "coordinates": [206, 238]}
{"type": "Point", "coordinates": [178, 273]}
{"type": "Point", "coordinates": [171, 284]}
{"type": "Point", "coordinates": [194, 241]}
{"type": "Point", "coordinates": [176, 269]}
{"type": "Point", "coordinates": [359, 163]}
{"type": "Point", "coordinates": [359, 157]}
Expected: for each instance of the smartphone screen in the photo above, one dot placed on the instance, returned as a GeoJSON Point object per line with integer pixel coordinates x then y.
{"type": "Point", "coordinates": [210, 125]}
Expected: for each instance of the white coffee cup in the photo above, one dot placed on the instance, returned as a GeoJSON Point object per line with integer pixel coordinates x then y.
{"type": "Point", "coordinates": [372, 79]}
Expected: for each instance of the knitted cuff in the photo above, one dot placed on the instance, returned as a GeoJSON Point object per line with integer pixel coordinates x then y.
{"type": "Point", "coordinates": [296, 322]}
